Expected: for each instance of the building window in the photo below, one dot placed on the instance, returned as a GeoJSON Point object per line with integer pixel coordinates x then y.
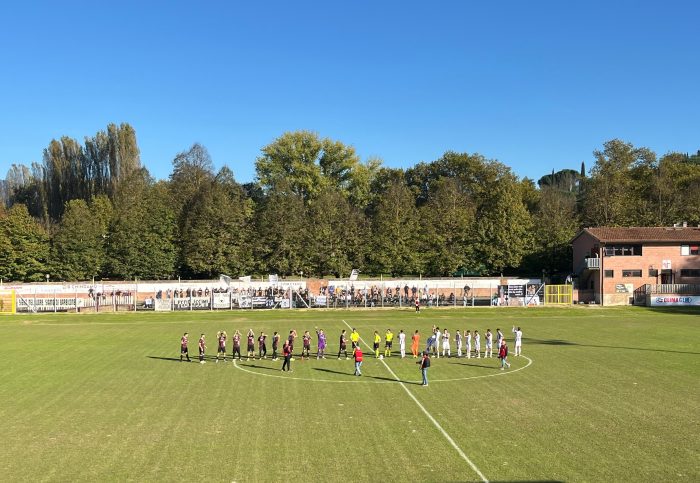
{"type": "Point", "coordinates": [690, 250]}
{"type": "Point", "coordinates": [623, 250]}
{"type": "Point", "coordinates": [653, 272]}
{"type": "Point", "coordinates": [609, 273]}
{"type": "Point", "coordinates": [631, 273]}
{"type": "Point", "coordinates": [690, 272]}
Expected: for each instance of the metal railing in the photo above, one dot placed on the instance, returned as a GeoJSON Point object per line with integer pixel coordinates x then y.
{"type": "Point", "coordinates": [672, 288]}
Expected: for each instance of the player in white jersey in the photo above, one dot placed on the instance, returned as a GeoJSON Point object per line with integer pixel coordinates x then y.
{"type": "Point", "coordinates": [477, 344]}
{"type": "Point", "coordinates": [489, 344]}
{"type": "Point", "coordinates": [518, 340]}
{"type": "Point", "coordinates": [402, 343]}
{"type": "Point", "coordinates": [458, 340]}
{"type": "Point", "coordinates": [499, 339]}
{"type": "Point", "coordinates": [436, 344]}
{"type": "Point", "coordinates": [446, 343]}
{"type": "Point", "coordinates": [468, 339]}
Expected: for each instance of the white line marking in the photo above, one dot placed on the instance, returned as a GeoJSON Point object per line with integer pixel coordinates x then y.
{"type": "Point", "coordinates": [430, 416]}
{"type": "Point", "coordinates": [529, 362]}
{"type": "Point", "coordinates": [496, 374]}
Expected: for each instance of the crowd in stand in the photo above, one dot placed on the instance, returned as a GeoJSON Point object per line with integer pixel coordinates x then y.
{"type": "Point", "coordinates": [372, 296]}
{"type": "Point", "coordinates": [205, 292]}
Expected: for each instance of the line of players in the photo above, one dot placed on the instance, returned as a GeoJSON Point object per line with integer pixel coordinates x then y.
{"type": "Point", "coordinates": [439, 341]}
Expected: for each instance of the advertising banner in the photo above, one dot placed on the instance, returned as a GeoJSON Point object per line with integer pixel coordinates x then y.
{"type": "Point", "coordinates": [221, 301]}
{"type": "Point", "coordinates": [674, 300]}
{"type": "Point", "coordinates": [47, 304]}
{"type": "Point", "coordinates": [195, 303]}
{"type": "Point", "coordinates": [162, 305]}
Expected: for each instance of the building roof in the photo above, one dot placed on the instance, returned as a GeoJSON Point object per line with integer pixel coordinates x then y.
{"type": "Point", "coordinates": [615, 234]}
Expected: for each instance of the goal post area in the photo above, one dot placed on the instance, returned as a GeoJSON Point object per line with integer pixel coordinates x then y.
{"type": "Point", "coordinates": [8, 301]}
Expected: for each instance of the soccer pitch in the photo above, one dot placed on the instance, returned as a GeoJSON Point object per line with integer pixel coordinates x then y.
{"type": "Point", "coordinates": [600, 394]}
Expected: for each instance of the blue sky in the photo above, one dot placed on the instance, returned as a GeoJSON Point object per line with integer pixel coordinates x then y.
{"type": "Point", "coordinates": [537, 85]}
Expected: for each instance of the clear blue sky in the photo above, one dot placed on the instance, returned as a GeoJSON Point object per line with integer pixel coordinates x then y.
{"type": "Point", "coordinates": [537, 85]}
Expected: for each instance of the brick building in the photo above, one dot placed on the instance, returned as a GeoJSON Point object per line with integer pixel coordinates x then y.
{"type": "Point", "coordinates": [612, 262]}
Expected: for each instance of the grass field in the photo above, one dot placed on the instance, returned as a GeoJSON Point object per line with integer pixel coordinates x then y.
{"type": "Point", "coordinates": [610, 394]}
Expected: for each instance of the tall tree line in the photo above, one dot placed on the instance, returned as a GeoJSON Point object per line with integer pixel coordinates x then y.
{"type": "Point", "coordinates": [92, 210]}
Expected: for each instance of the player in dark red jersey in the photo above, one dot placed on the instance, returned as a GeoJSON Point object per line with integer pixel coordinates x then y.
{"type": "Point", "coordinates": [343, 345]}
{"type": "Point", "coordinates": [251, 344]}
{"type": "Point", "coordinates": [202, 347]}
{"type": "Point", "coordinates": [290, 339]}
{"type": "Point", "coordinates": [221, 337]}
{"type": "Point", "coordinates": [306, 347]}
{"type": "Point", "coordinates": [183, 347]}
{"type": "Point", "coordinates": [262, 347]}
{"type": "Point", "coordinates": [287, 352]}
{"type": "Point", "coordinates": [236, 345]}
{"type": "Point", "coordinates": [275, 344]}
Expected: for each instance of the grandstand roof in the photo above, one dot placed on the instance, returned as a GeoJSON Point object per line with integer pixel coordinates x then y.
{"type": "Point", "coordinates": [658, 234]}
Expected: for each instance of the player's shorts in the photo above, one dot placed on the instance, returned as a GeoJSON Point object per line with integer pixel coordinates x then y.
{"type": "Point", "coordinates": [354, 344]}
{"type": "Point", "coordinates": [488, 345]}
{"type": "Point", "coordinates": [201, 352]}
{"type": "Point", "coordinates": [518, 343]}
{"type": "Point", "coordinates": [376, 345]}
{"type": "Point", "coordinates": [251, 347]}
{"type": "Point", "coordinates": [388, 345]}
{"type": "Point", "coordinates": [222, 349]}
{"type": "Point", "coordinates": [183, 350]}
{"type": "Point", "coordinates": [343, 347]}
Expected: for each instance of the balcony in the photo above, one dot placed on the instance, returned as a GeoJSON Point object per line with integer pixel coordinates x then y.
{"type": "Point", "coordinates": [592, 263]}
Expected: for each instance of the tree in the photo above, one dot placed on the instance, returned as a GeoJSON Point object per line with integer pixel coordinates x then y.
{"type": "Point", "coordinates": [555, 223]}
{"type": "Point", "coordinates": [611, 196]}
{"type": "Point", "coordinates": [78, 245]}
{"type": "Point", "coordinates": [143, 230]}
{"type": "Point", "coordinates": [308, 164]}
{"type": "Point", "coordinates": [192, 169]}
{"type": "Point", "coordinates": [294, 158]}
{"type": "Point", "coordinates": [394, 232]}
{"type": "Point", "coordinates": [446, 221]}
{"type": "Point", "coordinates": [281, 224]}
{"type": "Point", "coordinates": [564, 180]}
{"type": "Point", "coordinates": [336, 243]}
{"type": "Point", "coordinates": [24, 249]}
{"type": "Point", "coordinates": [502, 234]}
{"type": "Point", "coordinates": [216, 237]}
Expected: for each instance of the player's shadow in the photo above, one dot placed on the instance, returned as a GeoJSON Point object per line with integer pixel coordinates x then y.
{"type": "Point", "coordinates": [474, 365]}
{"type": "Point", "coordinates": [559, 342]}
{"type": "Point", "coordinates": [256, 366]}
{"type": "Point", "coordinates": [193, 358]}
{"type": "Point", "coordinates": [381, 378]}
{"type": "Point", "coordinates": [692, 310]}
{"type": "Point", "coordinates": [176, 359]}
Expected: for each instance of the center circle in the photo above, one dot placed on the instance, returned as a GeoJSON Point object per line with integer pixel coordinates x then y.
{"type": "Point", "coordinates": [367, 381]}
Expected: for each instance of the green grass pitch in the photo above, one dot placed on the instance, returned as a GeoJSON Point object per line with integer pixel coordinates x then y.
{"type": "Point", "coordinates": [611, 394]}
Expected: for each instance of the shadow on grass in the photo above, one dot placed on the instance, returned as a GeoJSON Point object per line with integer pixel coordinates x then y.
{"type": "Point", "coordinates": [692, 310]}
{"type": "Point", "coordinates": [269, 368]}
{"type": "Point", "coordinates": [475, 365]}
{"type": "Point", "coordinates": [193, 358]}
{"type": "Point", "coordinates": [559, 342]}
{"type": "Point", "coordinates": [381, 378]}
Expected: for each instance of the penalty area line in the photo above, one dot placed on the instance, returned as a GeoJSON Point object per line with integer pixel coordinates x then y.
{"type": "Point", "coordinates": [429, 416]}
